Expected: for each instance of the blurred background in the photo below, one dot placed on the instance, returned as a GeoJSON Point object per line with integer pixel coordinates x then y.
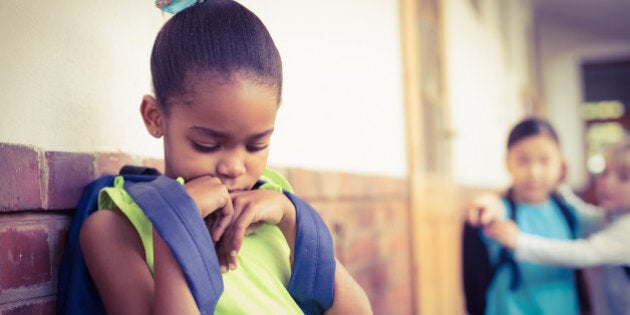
{"type": "Point", "coordinates": [404, 106]}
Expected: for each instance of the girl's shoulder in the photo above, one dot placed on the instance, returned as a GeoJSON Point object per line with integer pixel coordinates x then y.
{"type": "Point", "coordinates": [107, 229]}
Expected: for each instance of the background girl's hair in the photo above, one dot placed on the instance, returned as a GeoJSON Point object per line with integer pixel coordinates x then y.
{"type": "Point", "coordinates": [531, 126]}
{"type": "Point", "coordinates": [217, 37]}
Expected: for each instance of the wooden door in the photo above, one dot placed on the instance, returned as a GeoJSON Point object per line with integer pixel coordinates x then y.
{"type": "Point", "coordinates": [435, 224]}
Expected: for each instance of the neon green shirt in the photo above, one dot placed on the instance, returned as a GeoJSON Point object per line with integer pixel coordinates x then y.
{"type": "Point", "coordinates": [259, 284]}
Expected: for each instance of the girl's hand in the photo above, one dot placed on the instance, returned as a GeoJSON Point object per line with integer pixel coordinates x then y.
{"type": "Point", "coordinates": [214, 203]}
{"type": "Point", "coordinates": [503, 231]}
{"type": "Point", "coordinates": [484, 209]}
{"type": "Point", "coordinates": [251, 209]}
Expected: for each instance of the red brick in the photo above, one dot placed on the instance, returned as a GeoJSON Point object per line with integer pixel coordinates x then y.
{"type": "Point", "coordinates": [306, 183]}
{"type": "Point", "coordinates": [45, 305]}
{"type": "Point", "coordinates": [57, 237]}
{"type": "Point", "coordinates": [396, 300]}
{"type": "Point", "coordinates": [395, 244]}
{"type": "Point", "coordinates": [356, 215]}
{"type": "Point", "coordinates": [68, 174]}
{"type": "Point", "coordinates": [24, 255]}
{"type": "Point", "coordinates": [20, 187]}
{"type": "Point", "coordinates": [110, 163]}
{"type": "Point", "coordinates": [361, 247]}
{"type": "Point", "coordinates": [352, 186]}
{"type": "Point", "coordinates": [331, 185]}
{"type": "Point", "coordinates": [158, 164]}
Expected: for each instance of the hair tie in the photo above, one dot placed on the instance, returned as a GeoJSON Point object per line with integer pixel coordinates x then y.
{"type": "Point", "coordinates": [175, 6]}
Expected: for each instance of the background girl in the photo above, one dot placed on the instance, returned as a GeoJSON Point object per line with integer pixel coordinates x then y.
{"type": "Point", "coordinates": [609, 246]}
{"type": "Point", "coordinates": [536, 165]}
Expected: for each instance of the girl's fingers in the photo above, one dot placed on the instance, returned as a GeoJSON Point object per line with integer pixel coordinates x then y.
{"type": "Point", "coordinates": [226, 253]}
{"type": "Point", "coordinates": [253, 227]}
{"type": "Point", "coordinates": [223, 219]}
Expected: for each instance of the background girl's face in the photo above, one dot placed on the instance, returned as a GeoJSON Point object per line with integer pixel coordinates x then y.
{"type": "Point", "coordinates": [223, 130]}
{"type": "Point", "coordinates": [613, 189]}
{"type": "Point", "coordinates": [536, 166]}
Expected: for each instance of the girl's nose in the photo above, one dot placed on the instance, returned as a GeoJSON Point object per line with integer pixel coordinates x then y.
{"type": "Point", "coordinates": [535, 171]}
{"type": "Point", "coordinates": [231, 165]}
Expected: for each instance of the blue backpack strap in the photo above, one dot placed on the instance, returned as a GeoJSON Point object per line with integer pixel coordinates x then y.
{"type": "Point", "coordinates": [313, 273]}
{"type": "Point", "coordinates": [176, 217]}
{"type": "Point", "coordinates": [76, 292]}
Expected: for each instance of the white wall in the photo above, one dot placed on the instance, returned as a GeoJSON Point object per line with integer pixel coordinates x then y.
{"type": "Point", "coordinates": [563, 49]}
{"type": "Point", "coordinates": [73, 73]}
{"type": "Point", "coordinates": [342, 104]}
{"type": "Point", "coordinates": [487, 78]}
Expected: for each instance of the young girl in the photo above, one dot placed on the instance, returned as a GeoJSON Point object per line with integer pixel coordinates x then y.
{"type": "Point", "coordinates": [536, 165]}
{"type": "Point", "coordinates": [609, 246]}
{"type": "Point", "coordinates": [217, 78]}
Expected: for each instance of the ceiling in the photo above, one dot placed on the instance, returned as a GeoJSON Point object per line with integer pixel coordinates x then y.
{"type": "Point", "coordinates": [608, 17]}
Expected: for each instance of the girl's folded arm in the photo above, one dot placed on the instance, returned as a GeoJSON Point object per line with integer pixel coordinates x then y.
{"type": "Point", "coordinates": [114, 256]}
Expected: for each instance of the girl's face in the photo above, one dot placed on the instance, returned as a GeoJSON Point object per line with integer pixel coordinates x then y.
{"type": "Point", "coordinates": [613, 189]}
{"type": "Point", "coordinates": [536, 166]}
{"type": "Point", "coordinates": [224, 130]}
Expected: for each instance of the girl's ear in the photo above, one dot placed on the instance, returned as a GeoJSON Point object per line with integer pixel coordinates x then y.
{"type": "Point", "coordinates": [152, 116]}
{"type": "Point", "coordinates": [563, 170]}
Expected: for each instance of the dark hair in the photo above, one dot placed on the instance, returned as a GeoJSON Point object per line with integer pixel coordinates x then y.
{"type": "Point", "coordinates": [217, 37]}
{"type": "Point", "coordinates": [529, 127]}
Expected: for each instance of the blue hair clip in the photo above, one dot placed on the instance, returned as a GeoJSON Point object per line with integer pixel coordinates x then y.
{"type": "Point", "coordinates": [175, 6]}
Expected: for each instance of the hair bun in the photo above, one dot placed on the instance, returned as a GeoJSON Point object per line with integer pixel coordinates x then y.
{"type": "Point", "coordinates": [175, 6]}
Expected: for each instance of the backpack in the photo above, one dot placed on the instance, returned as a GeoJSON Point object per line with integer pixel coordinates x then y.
{"type": "Point", "coordinates": [312, 277]}
{"type": "Point", "coordinates": [478, 271]}
{"type": "Point", "coordinates": [76, 292]}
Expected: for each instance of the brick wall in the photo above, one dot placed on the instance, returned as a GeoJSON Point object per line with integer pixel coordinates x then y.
{"type": "Point", "coordinates": [367, 215]}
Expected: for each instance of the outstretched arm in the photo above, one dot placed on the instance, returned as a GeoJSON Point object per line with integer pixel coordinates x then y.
{"type": "Point", "coordinates": [606, 247]}
{"type": "Point", "coordinates": [591, 217]}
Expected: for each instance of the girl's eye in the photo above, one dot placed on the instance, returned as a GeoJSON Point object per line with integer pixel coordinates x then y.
{"type": "Point", "coordinates": [205, 148]}
{"type": "Point", "coordinates": [256, 148]}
